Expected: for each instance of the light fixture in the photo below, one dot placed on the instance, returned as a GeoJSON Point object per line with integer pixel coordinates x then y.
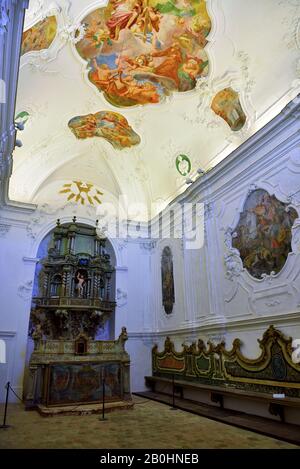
{"type": "Point", "coordinates": [19, 125]}
{"type": "Point", "coordinates": [200, 171]}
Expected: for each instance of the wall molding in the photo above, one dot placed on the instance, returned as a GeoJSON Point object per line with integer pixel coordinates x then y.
{"type": "Point", "coordinates": [223, 326]}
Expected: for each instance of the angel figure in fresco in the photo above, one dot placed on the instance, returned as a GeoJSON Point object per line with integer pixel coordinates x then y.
{"type": "Point", "coordinates": [137, 16]}
{"type": "Point", "coordinates": [123, 17]}
{"type": "Point", "coordinates": [115, 84]}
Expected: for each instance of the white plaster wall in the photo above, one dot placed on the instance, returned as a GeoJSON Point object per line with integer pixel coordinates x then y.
{"type": "Point", "coordinates": [15, 299]}
{"type": "Point", "coordinates": [219, 302]}
{"type": "Point", "coordinates": [212, 300]}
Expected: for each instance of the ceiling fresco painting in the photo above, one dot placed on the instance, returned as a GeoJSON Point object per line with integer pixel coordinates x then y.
{"type": "Point", "coordinates": [81, 192]}
{"type": "Point", "coordinates": [111, 126]}
{"type": "Point", "coordinates": [226, 104]}
{"type": "Point", "coordinates": [139, 98]}
{"type": "Point", "coordinates": [139, 51]}
{"type": "Point", "coordinates": [40, 36]}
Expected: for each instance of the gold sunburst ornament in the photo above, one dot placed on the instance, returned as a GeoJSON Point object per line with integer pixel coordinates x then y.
{"type": "Point", "coordinates": [82, 192]}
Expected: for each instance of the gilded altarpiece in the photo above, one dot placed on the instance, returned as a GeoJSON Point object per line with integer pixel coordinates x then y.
{"type": "Point", "coordinates": [75, 299]}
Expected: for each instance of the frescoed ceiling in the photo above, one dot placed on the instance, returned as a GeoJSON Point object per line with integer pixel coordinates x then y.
{"type": "Point", "coordinates": [129, 98]}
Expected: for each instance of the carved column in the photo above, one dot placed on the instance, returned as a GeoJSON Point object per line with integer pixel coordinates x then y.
{"type": "Point", "coordinates": [11, 28]}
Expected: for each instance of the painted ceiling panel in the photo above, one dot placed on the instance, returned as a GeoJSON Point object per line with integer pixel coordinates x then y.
{"type": "Point", "coordinates": [113, 92]}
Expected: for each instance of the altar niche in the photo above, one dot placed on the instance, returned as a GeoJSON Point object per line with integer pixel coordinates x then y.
{"type": "Point", "coordinates": [73, 299]}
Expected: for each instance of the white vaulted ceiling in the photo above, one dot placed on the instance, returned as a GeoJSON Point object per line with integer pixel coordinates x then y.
{"type": "Point", "coordinates": [253, 48]}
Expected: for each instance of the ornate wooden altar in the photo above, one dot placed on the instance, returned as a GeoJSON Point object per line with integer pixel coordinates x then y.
{"type": "Point", "coordinates": [75, 299]}
{"type": "Point", "coordinates": [62, 372]}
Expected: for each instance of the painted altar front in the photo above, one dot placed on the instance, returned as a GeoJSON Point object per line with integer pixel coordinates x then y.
{"type": "Point", "coordinates": [65, 372]}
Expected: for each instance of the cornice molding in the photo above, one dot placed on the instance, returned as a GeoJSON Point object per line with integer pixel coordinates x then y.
{"type": "Point", "coordinates": [223, 326]}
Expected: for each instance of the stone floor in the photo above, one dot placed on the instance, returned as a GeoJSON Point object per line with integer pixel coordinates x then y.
{"type": "Point", "coordinates": [148, 425]}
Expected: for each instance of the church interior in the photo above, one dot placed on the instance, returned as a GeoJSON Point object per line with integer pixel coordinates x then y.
{"type": "Point", "coordinates": [149, 224]}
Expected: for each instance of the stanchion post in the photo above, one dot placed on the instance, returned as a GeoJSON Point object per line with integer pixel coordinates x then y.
{"type": "Point", "coordinates": [3, 426]}
{"type": "Point", "coordinates": [103, 397]}
{"type": "Point", "coordinates": [173, 394]}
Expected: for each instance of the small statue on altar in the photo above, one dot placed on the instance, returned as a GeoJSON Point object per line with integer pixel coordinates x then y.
{"type": "Point", "coordinates": [80, 281]}
{"type": "Point", "coordinates": [37, 336]}
{"type": "Point", "coordinates": [123, 337]}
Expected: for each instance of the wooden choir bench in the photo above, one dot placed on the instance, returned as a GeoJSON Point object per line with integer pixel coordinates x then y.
{"type": "Point", "coordinates": [221, 377]}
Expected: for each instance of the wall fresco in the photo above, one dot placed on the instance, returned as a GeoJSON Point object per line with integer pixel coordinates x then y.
{"type": "Point", "coordinates": [263, 234]}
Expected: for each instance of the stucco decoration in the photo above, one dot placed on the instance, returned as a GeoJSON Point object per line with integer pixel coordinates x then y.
{"type": "Point", "coordinates": [81, 192]}
{"type": "Point", "coordinates": [4, 229]}
{"type": "Point", "coordinates": [232, 259]}
{"type": "Point", "coordinates": [25, 290]}
{"type": "Point", "coordinates": [121, 297]}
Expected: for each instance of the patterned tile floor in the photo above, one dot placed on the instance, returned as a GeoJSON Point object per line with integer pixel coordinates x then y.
{"type": "Point", "coordinates": [148, 425]}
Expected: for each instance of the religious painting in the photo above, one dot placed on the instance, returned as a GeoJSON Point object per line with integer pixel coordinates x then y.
{"type": "Point", "coordinates": [40, 36]}
{"type": "Point", "coordinates": [264, 233]}
{"type": "Point", "coordinates": [226, 104]}
{"type": "Point", "coordinates": [71, 383]}
{"type": "Point", "coordinates": [168, 290]}
{"type": "Point", "coordinates": [111, 126]}
{"type": "Point", "coordinates": [140, 51]}
{"type": "Point", "coordinates": [183, 165]}
{"type": "Point", "coordinates": [81, 192]}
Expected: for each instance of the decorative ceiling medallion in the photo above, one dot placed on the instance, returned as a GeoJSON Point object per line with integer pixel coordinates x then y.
{"type": "Point", "coordinates": [263, 234]}
{"type": "Point", "coordinates": [106, 124]}
{"type": "Point", "coordinates": [226, 104]}
{"type": "Point", "coordinates": [140, 51]}
{"type": "Point", "coordinates": [40, 36]}
{"type": "Point", "coordinates": [22, 117]}
{"type": "Point", "coordinates": [183, 165]}
{"type": "Point", "coordinates": [81, 192]}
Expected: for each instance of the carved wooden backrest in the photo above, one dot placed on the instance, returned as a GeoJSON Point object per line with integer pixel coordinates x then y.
{"type": "Point", "coordinates": [272, 371]}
